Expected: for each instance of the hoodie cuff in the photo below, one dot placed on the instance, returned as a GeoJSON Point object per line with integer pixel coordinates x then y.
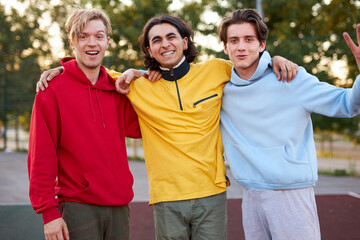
{"type": "Point", "coordinates": [50, 214]}
{"type": "Point", "coordinates": [142, 72]}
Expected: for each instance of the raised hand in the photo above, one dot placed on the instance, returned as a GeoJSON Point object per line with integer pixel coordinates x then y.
{"type": "Point", "coordinates": [354, 49]}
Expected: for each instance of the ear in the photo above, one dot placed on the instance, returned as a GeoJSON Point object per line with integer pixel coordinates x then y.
{"type": "Point", "coordinates": [108, 41]}
{"type": "Point", "coordinates": [149, 51]}
{"type": "Point", "coordinates": [71, 44]}
{"type": "Point", "coordinates": [225, 49]}
{"type": "Point", "coordinates": [262, 46]}
{"type": "Point", "coordinates": [185, 41]}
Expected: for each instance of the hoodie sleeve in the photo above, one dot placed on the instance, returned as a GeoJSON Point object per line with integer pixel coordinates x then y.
{"type": "Point", "coordinates": [326, 99]}
{"type": "Point", "coordinates": [113, 74]}
{"type": "Point", "coordinates": [42, 157]}
{"type": "Point", "coordinates": [132, 128]}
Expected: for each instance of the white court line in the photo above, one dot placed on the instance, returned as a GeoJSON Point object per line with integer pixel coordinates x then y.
{"type": "Point", "coordinates": [354, 194]}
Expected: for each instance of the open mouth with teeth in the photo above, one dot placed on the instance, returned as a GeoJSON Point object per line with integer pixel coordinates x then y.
{"type": "Point", "coordinates": [92, 52]}
{"type": "Point", "coordinates": [168, 53]}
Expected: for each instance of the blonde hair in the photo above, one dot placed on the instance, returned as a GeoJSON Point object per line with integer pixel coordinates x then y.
{"type": "Point", "coordinates": [78, 20]}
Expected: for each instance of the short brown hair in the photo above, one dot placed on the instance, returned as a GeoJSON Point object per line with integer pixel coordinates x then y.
{"type": "Point", "coordinates": [184, 30]}
{"type": "Point", "coordinates": [244, 16]}
{"type": "Point", "coordinates": [78, 20]}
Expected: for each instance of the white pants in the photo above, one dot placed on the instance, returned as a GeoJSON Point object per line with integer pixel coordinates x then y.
{"type": "Point", "coordinates": [280, 214]}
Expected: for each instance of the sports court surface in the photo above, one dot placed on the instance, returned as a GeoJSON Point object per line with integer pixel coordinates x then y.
{"type": "Point", "coordinates": [338, 200]}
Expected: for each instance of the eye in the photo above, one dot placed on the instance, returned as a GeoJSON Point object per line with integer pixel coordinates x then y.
{"type": "Point", "coordinates": [100, 36]}
{"type": "Point", "coordinates": [249, 39]}
{"type": "Point", "coordinates": [82, 36]}
{"type": "Point", "coordinates": [234, 40]}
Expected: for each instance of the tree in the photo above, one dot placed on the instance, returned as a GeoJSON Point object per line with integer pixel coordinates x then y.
{"type": "Point", "coordinates": [309, 33]}
{"type": "Point", "coordinates": [22, 42]}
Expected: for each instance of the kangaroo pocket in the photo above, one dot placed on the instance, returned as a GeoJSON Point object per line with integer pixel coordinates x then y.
{"type": "Point", "coordinates": [107, 187]}
{"type": "Point", "coordinates": [267, 165]}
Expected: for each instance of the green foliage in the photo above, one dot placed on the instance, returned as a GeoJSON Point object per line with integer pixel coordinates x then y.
{"type": "Point", "coordinates": [304, 31]}
{"type": "Point", "coordinates": [307, 32]}
{"type": "Point", "coordinates": [22, 43]}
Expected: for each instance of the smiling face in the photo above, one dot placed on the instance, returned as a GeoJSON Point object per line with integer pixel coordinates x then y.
{"type": "Point", "coordinates": [243, 48]}
{"type": "Point", "coordinates": [166, 45]}
{"type": "Point", "coordinates": [91, 45]}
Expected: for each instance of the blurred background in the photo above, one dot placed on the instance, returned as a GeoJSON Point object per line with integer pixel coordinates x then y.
{"type": "Point", "coordinates": [307, 32]}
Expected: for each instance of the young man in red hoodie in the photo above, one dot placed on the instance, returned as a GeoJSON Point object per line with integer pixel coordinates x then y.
{"type": "Point", "coordinates": [79, 175]}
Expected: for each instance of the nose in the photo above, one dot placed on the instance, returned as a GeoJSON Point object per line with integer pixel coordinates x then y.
{"type": "Point", "coordinates": [92, 40]}
{"type": "Point", "coordinates": [165, 43]}
{"type": "Point", "coordinates": [241, 45]}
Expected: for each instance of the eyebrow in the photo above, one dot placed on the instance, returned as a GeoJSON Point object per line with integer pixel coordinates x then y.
{"type": "Point", "coordinates": [167, 35]}
{"type": "Point", "coordinates": [246, 36]}
{"type": "Point", "coordinates": [100, 31]}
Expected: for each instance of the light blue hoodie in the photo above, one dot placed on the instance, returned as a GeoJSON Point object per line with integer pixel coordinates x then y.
{"type": "Point", "coordinates": [267, 130]}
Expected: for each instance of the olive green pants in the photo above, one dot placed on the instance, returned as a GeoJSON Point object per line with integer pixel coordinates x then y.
{"type": "Point", "coordinates": [195, 219]}
{"type": "Point", "coordinates": [86, 221]}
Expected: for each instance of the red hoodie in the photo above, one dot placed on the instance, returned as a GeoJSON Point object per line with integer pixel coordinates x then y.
{"type": "Point", "coordinates": [77, 146]}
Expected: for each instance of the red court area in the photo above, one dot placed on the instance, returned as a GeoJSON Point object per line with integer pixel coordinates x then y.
{"type": "Point", "coordinates": [339, 218]}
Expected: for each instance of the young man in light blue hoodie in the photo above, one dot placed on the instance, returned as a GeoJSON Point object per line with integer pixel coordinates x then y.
{"type": "Point", "coordinates": [268, 134]}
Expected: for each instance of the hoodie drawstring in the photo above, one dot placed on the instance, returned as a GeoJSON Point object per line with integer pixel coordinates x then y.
{"type": "Point", "coordinates": [91, 105]}
{"type": "Point", "coordinates": [99, 104]}
{"type": "Point", "coordinates": [102, 115]}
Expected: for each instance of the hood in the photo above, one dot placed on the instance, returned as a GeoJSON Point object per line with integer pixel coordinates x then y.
{"type": "Point", "coordinates": [263, 66]}
{"type": "Point", "coordinates": [105, 82]}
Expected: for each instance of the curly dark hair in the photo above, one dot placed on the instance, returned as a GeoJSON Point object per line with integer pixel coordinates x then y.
{"type": "Point", "coordinates": [184, 29]}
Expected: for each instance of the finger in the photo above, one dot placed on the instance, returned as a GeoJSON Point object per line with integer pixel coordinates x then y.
{"type": "Point", "coordinates": [117, 83]}
{"type": "Point", "coordinates": [45, 82]}
{"type": "Point", "coordinates": [52, 75]}
{"type": "Point", "coordinates": [358, 33]}
{"type": "Point", "coordinates": [295, 69]}
{"type": "Point", "coordinates": [50, 236]}
{"type": "Point", "coordinates": [284, 72]}
{"type": "Point", "coordinates": [124, 90]}
{"type": "Point", "coordinates": [277, 72]}
{"type": "Point", "coordinates": [157, 76]}
{"type": "Point", "coordinates": [146, 75]}
{"type": "Point", "coordinates": [349, 41]}
{"type": "Point", "coordinates": [40, 86]}
{"type": "Point", "coordinates": [290, 74]}
{"type": "Point", "coordinates": [151, 75]}
{"type": "Point", "coordinates": [43, 76]}
{"type": "Point", "coordinates": [127, 80]}
{"type": "Point", "coordinates": [59, 236]}
{"type": "Point", "coordinates": [66, 233]}
{"type": "Point", "coordinates": [285, 75]}
{"type": "Point", "coordinates": [119, 86]}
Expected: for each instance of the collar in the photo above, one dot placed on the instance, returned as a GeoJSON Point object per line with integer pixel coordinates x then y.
{"type": "Point", "coordinates": [177, 72]}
